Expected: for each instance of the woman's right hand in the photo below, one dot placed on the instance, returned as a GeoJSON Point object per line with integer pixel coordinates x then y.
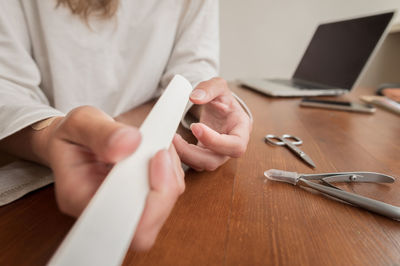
{"type": "Point", "coordinates": [81, 149]}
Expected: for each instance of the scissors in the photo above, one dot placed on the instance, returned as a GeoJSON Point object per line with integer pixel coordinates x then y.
{"type": "Point", "coordinates": [291, 145]}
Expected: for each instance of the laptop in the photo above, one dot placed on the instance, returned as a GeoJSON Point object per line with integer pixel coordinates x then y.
{"type": "Point", "coordinates": [333, 61]}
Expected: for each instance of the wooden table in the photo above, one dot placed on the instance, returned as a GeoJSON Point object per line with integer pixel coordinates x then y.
{"type": "Point", "coordinates": [233, 216]}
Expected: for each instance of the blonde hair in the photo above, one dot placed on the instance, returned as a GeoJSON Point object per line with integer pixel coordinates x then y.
{"type": "Point", "coordinates": [86, 8]}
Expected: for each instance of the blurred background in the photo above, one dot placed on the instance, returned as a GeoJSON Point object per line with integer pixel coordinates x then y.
{"type": "Point", "coordinates": [267, 38]}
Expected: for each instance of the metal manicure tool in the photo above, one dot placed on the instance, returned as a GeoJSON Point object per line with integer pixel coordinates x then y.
{"type": "Point", "coordinates": [327, 188]}
{"type": "Point", "coordinates": [291, 145]}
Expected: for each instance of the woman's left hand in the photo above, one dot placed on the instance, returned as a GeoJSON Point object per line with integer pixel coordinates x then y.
{"type": "Point", "coordinates": [223, 130]}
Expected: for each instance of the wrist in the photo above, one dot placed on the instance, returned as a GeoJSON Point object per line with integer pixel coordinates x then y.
{"type": "Point", "coordinates": [42, 133]}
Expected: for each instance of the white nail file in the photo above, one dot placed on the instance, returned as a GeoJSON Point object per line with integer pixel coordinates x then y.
{"type": "Point", "coordinates": [103, 232]}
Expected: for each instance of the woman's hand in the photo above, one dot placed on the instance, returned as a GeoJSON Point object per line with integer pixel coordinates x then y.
{"type": "Point", "coordinates": [392, 93]}
{"type": "Point", "coordinates": [223, 130]}
{"type": "Point", "coordinates": [82, 149]}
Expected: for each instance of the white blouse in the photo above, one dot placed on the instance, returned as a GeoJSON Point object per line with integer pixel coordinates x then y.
{"type": "Point", "coordinates": [51, 61]}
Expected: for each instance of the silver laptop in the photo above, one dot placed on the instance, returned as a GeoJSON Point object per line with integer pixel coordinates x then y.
{"type": "Point", "coordinates": [334, 59]}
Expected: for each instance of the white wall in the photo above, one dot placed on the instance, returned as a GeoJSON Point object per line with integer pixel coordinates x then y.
{"type": "Point", "coordinates": [266, 38]}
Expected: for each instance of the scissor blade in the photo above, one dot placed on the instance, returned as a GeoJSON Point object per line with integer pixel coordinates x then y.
{"type": "Point", "coordinates": [299, 152]}
{"type": "Point", "coordinates": [308, 160]}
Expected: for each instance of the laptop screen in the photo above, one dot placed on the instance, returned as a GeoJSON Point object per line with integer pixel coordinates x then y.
{"type": "Point", "coordinates": [338, 51]}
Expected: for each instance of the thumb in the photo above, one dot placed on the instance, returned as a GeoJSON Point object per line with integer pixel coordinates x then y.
{"type": "Point", "coordinates": [90, 127]}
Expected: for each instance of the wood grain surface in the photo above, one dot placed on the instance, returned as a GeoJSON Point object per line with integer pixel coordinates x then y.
{"type": "Point", "coordinates": [233, 216]}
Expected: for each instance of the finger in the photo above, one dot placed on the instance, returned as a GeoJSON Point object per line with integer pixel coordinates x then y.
{"type": "Point", "coordinates": [90, 127]}
{"type": "Point", "coordinates": [197, 157]}
{"type": "Point", "coordinates": [394, 93]}
{"type": "Point", "coordinates": [208, 90]}
{"type": "Point", "coordinates": [164, 191]}
{"type": "Point", "coordinates": [180, 174]}
{"type": "Point", "coordinates": [233, 145]}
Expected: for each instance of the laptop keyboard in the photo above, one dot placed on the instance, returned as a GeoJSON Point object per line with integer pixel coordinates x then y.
{"type": "Point", "coordinates": [281, 88]}
{"type": "Point", "coordinates": [297, 84]}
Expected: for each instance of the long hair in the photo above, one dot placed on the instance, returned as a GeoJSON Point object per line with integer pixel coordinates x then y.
{"type": "Point", "coordinates": [86, 8]}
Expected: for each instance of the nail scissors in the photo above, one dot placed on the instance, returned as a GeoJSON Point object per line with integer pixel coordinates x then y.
{"type": "Point", "coordinates": [291, 145]}
{"type": "Point", "coordinates": [324, 186]}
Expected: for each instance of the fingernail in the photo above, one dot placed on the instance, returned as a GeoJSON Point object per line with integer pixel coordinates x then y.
{"type": "Point", "coordinates": [167, 166]}
{"type": "Point", "coordinates": [167, 158]}
{"type": "Point", "coordinates": [198, 94]}
{"type": "Point", "coordinates": [197, 130]}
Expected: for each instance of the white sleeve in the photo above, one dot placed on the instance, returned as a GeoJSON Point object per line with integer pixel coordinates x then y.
{"type": "Point", "coordinates": [196, 49]}
{"type": "Point", "coordinates": [22, 102]}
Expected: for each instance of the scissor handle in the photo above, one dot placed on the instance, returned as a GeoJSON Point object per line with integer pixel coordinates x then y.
{"type": "Point", "coordinates": [270, 139]}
